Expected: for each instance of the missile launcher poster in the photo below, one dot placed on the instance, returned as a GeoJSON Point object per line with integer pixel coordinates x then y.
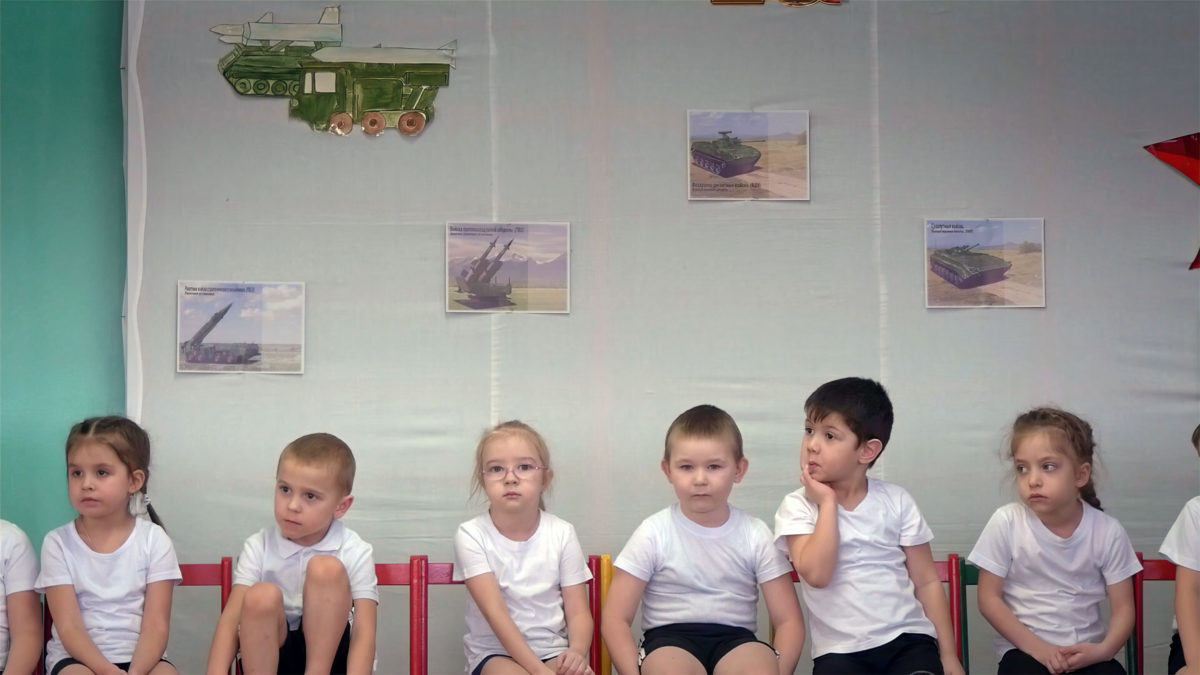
{"type": "Point", "coordinates": [240, 327]}
{"type": "Point", "coordinates": [985, 262]}
{"type": "Point", "coordinates": [748, 155]}
{"type": "Point", "coordinates": [508, 267]}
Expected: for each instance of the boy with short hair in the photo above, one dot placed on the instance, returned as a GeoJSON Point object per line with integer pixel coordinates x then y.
{"type": "Point", "coordinates": [296, 583]}
{"type": "Point", "coordinates": [860, 545]}
{"type": "Point", "coordinates": [1182, 547]}
{"type": "Point", "coordinates": [696, 568]}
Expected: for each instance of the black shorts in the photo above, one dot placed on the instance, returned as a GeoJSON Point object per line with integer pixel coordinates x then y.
{"type": "Point", "coordinates": [1017, 662]}
{"type": "Point", "coordinates": [489, 657]}
{"type": "Point", "coordinates": [708, 642]}
{"type": "Point", "coordinates": [58, 667]}
{"type": "Point", "coordinates": [909, 653]}
{"type": "Point", "coordinates": [293, 657]}
{"type": "Point", "coordinates": [1175, 662]}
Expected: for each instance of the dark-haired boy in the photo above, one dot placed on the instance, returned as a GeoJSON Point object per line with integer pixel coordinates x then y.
{"type": "Point", "coordinates": [860, 545]}
{"type": "Point", "coordinates": [304, 596]}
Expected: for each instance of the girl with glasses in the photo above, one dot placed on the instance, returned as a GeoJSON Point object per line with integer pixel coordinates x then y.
{"type": "Point", "coordinates": [526, 575]}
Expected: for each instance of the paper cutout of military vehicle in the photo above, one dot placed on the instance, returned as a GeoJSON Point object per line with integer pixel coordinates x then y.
{"type": "Point", "coordinates": [726, 156]}
{"type": "Point", "coordinates": [966, 268]}
{"type": "Point", "coordinates": [476, 278]}
{"type": "Point", "coordinates": [195, 351]}
{"type": "Point", "coordinates": [331, 87]}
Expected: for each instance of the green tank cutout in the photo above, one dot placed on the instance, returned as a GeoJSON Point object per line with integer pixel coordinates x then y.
{"type": "Point", "coordinates": [726, 156]}
{"type": "Point", "coordinates": [331, 87]}
{"type": "Point", "coordinates": [966, 268]}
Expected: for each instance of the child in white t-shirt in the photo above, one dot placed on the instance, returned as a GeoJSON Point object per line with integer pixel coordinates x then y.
{"type": "Point", "coordinates": [696, 568]}
{"type": "Point", "coordinates": [526, 576]}
{"type": "Point", "coordinates": [1182, 547]}
{"type": "Point", "coordinates": [1047, 562]}
{"type": "Point", "coordinates": [20, 609]}
{"type": "Point", "coordinates": [304, 595]}
{"type": "Point", "coordinates": [109, 575]}
{"type": "Point", "coordinates": [860, 545]}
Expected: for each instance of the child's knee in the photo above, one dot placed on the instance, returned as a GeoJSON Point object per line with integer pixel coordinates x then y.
{"type": "Point", "coordinates": [326, 570]}
{"type": "Point", "coordinates": [262, 598]}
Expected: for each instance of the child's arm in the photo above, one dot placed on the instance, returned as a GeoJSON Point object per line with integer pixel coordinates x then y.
{"type": "Point", "coordinates": [579, 630]}
{"type": "Point", "coordinates": [1120, 625]}
{"type": "Point", "coordinates": [485, 591]}
{"type": "Point", "coordinates": [991, 605]}
{"type": "Point", "coordinates": [156, 626]}
{"type": "Point", "coordinates": [928, 589]}
{"type": "Point", "coordinates": [225, 637]}
{"type": "Point", "coordinates": [1187, 613]}
{"type": "Point", "coordinates": [815, 555]}
{"type": "Point", "coordinates": [616, 621]}
{"type": "Point", "coordinates": [69, 623]}
{"type": "Point", "coordinates": [780, 596]}
{"type": "Point", "coordinates": [24, 631]}
{"type": "Point", "coordinates": [362, 637]}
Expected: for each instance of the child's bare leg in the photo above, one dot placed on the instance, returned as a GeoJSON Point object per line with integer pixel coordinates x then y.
{"type": "Point", "coordinates": [263, 629]}
{"type": "Point", "coordinates": [750, 658]}
{"type": "Point", "coordinates": [76, 669]}
{"type": "Point", "coordinates": [326, 605]}
{"type": "Point", "coordinates": [163, 668]}
{"type": "Point", "coordinates": [502, 665]}
{"type": "Point", "coordinates": [672, 661]}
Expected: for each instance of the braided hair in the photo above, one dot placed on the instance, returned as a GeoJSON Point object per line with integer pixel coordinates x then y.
{"type": "Point", "coordinates": [1073, 430]}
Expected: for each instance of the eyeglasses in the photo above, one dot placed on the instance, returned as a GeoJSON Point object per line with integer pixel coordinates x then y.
{"type": "Point", "coordinates": [521, 471]}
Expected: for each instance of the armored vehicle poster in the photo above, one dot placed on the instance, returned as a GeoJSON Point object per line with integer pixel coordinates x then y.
{"type": "Point", "coordinates": [994, 262]}
{"type": "Point", "coordinates": [508, 267]}
{"type": "Point", "coordinates": [235, 327]}
{"type": "Point", "coordinates": [748, 155]}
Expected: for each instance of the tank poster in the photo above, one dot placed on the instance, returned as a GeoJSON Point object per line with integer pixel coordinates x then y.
{"type": "Point", "coordinates": [240, 327]}
{"type": "Point", "coordinates": [748, 155]}
{"type": "Point", "coordinates": [508, 267]}
{"type": "Point", "coordinates": [990, 262]}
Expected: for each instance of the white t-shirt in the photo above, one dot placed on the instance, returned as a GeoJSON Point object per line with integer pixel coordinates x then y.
{"type": "Point", "coordinates": [1182, 545]}
{"type": "Point", "coordinates": [531, 575]}
{"type": "Point", "coordinates": [18, 573]}
{"type": "Point", "coordinates": [268, 556]}
{"type": "Point", "coordinates": [110, 587]}
{"type": "Point", "coordinates": [1055, 586]}
{"type": "Point", "coordinates": [698, 574]}
{"type": "Point", "coordinates": [870, 600]}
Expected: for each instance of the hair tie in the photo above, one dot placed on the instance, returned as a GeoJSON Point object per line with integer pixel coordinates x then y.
{"type": "Point", "coordinates": [138, 503]}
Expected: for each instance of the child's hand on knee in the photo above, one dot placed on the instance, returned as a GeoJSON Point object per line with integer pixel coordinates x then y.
{"type": "Point", "coordinates": [573, 663]}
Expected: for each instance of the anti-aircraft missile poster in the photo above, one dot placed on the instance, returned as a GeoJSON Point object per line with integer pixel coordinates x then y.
{"type": "Point", "coordinates": [238, 327]}
{"type": "Point", "coordinates": [508, 267]}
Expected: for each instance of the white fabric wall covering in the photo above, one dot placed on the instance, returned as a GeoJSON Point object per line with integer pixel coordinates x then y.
{"type": "Point", "coordinates": [575, 111]}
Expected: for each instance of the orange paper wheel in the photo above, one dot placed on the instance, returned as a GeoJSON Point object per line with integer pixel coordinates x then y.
{"type": "Point", "coordinates": [341, 123]}
{"type": "Point", "coordinates": [374, 123]}
{"type": "Point", "coordinates": [411, 123]}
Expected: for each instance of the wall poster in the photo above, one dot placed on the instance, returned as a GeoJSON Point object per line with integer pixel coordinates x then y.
{"type": "Point", "coordinates": [748, 155]}
{"type": "Point", "coordinates": [989, 262]}
{"type": "Point", "coordinates": [508, 267]}
{"type": "Point", "coordinates": [240, 327]}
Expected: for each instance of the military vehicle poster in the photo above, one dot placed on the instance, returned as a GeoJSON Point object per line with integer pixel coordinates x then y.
{"type": "Point", "coordinates": [989, 262]}
{"type": "Point", "coordinates": [508, 267]}
{"type": "Point", "coordinates": [240, 327]}
{"type": "Point", "coordinates": [748, 155]}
